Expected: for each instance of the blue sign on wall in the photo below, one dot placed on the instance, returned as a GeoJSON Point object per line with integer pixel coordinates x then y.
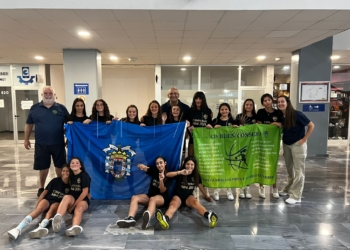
{"type": "Point", "coordinates": [313, 107]}
{"type": "Point", "coordinates": [81, 88]}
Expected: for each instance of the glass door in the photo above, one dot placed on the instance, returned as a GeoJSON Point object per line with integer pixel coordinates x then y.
{"type": "Point", "coordinates": [24, 101]}
{"type": "Point", "coordinates": [6, 121]}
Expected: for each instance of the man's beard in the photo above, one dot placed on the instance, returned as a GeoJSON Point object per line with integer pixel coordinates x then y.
{"type": "Point", "coordinates": [48, 101]}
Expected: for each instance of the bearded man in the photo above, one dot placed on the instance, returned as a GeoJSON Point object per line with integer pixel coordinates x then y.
{"type": "Point", "coordinates": [48, 117]}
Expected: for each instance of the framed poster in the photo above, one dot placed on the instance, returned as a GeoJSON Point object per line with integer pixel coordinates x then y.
{"type": "Point", "coordinates": [314, 92]}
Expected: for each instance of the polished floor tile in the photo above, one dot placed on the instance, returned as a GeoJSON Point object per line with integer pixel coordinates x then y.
{"type": "Point", "coordinates": [320, 221]}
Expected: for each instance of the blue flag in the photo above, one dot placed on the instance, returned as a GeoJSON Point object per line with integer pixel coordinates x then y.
{"type": "Point", "coordinates": [110, 154]}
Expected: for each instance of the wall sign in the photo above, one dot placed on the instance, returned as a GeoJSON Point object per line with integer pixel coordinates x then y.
{"type": "Point", "coordinates": [81, 88]}
{"type": "Point", "coordinates": [5, 76]}
{"type": "Point", "coordinates": [314, 92]}
{"type": "Point", "coordinates": [313, 107]}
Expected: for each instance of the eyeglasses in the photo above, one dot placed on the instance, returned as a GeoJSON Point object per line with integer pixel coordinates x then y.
{"type": "Point", "coordinates": [173, 93]}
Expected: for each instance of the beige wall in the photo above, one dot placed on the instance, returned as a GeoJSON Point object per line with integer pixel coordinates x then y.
{"type": "Point", "coordinates": [124, 86]}
{"type": "Point", "coordinates": [57, 82]}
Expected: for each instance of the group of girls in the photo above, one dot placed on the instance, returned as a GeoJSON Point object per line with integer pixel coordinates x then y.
{"type": "Point", "coordinates": [200, 115]}
{"type": "Point", "coordinates": [68, 193]}
{"type": "Point", "coordinates": [187, 178]}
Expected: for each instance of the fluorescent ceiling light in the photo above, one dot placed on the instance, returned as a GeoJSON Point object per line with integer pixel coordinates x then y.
{"type": "Point", "coordinates": [113, 58]}
{"type": "Point", "coordinates": [336, 67]}
{"type": "Point", "coordinates": [286, 67]}
{"type": "Point", "coordinates": [335, 57]}
{"type": "Point", "coordinates": [183, 69]}
{"type": "Point", "coordinates": [261, 57]}
{"type": "Point", "coordinates": [187, 58]}
{"type": "Point", "coordinates": [83, 33]}
{"type": "Point", "coordinates": [39, 58]}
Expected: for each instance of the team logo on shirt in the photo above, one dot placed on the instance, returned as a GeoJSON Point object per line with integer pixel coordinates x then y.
{"type": "Point", "coordinates": [237, 159]}
{"type": "Point", "coordinates": [118, 161]}
{"type": "Point", "coordinates": [54, 112]}
{"type": "Point", "coordinates": [205, 116]}
{"type": "Point", "coordinates": [274, 118]}
{"type": "Point", "coordinates": [78, 180]}
{"type": "Point", "coordinates": [253, 121]}
{"type": "Point", "coordinates": [66, 190]}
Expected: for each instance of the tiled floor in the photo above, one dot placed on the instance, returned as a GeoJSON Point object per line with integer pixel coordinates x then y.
{"type": "Point", "coordinates": [321, 221]}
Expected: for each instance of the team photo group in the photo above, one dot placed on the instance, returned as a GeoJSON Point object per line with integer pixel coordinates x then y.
{"type": "Point", "coordinates": [169, 188]}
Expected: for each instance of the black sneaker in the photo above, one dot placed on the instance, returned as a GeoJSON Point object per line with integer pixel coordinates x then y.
{"type": "Point", "coordinates": [40, 191]}
{"type": "Point", "coordinates": [127, 222]}
{"type": "Point", "coordinates": [212, 219]}
{"type": "Point", "coordinates": [162, 219]}
{"type": "Point", "coordinates": [145, 219]}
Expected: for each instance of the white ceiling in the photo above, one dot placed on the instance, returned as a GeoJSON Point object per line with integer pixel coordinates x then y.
{"type": "Point", "coordinates": [165, 36]}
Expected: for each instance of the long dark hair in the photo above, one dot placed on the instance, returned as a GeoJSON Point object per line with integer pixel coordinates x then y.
{"type": "Point", "coordinates": [171, 117]}
{"type": "Point", "coordinates": [200, 95]}
{"type": "Point", "coordinates": [290, 114]}
{"type": "Point", "coordinates": [159, 114]}
{"type": "Point", "coordinates": [194, 173]}
{"type": "Point", "coordinates": [73, 112]}
{"type": "Point", "coordinates": [106, 113]}
{"type": "Point", "coordinates": [71, 173]}
{"type": "Point", "coordinates": [127, 118]}
{"type": "Point", "coordinates": [264, 96]}
{"type": "Point", "coordinates": [229, 109]}
{"type": "Point", "coordinates": [244, 112]}
{"type": "Point", "coordinates": [165, 168]}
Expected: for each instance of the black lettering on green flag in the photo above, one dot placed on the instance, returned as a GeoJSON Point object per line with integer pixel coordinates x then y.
{"type": "Point", "coordinates": [235, 157]}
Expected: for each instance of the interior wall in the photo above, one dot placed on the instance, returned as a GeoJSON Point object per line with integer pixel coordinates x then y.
{"type": "Point", "coordinates": [57, 82]}
{"type": "Point", "coordinates": [124, 86]}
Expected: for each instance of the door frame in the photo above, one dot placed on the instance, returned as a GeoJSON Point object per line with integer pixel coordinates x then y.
{"type": "Point", "coordinates": [14, 109]}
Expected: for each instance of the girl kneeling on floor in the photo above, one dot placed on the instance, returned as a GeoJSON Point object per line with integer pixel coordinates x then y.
{"type": "Point", "coordinates": [187, 178]}
{"type": "Point", "coordinates": [77, 201]}
{"type": "Point", "coordinates": [157, 195]}
{"type": "Point", "coordinates": [48, 201]}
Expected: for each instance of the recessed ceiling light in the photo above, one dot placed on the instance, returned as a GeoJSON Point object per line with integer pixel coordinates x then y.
{"type": "Point", "coordinates": [113, 58]}
{"type": "Point", "coordinates": [132, 59]}
{"type": "Point", "coordinates": [261, 57]}
{"type": "Point", "coordinates": [39, 58]}
{"type": "Point", "coordinates": [336, 67]}
{"type": "Point", "coordinates": [84, 33]}
{"type": "Point", "coordinates": [278, 59]}
{"type": "Point", "coordinates": [187, 58]}
{"type": "Point", "coordinates": [335, 57]}
{"type": "Point", "coordinates": [286, 67]}
{"type": "Point", "coordinates": [183, 69]}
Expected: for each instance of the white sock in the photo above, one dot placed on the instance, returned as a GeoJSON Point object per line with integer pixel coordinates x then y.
{"type": "Point", "coordinates": [28, 219]}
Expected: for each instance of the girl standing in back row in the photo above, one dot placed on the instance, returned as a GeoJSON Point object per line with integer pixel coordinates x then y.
{"type": "Point", "coordinates": [269, 115]}
{"type": "Point", "coordinates": [294, 148]}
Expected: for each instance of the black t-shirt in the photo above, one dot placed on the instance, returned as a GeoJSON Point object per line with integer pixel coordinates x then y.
{"type": "Point", "coordinates": [134, 122]}
{"type": "Point", "coordinates": [78, 183]}
{"type": "Point", "coordinates": [56, 189]}
{"type": "Point", "coordinates": [102, 118]}
{"type": "Point", "coordinates": [297, 132]}
{"type": "Point", "coordinates": [184, 190]}
{"type": "Point", "coordinates": [229, 122]}
{"type": "Point", "coordinates": [246, 120]}
{"type": "Point", "coordinates": [266, 118]}
{"type": "Point", "coordinates": [154, 185]}
{"type": "Point", "coordinates": [74, 118]}
{"type": "Point", "coordinates": [150, 121]}
{"type": "Point", "coordinates": [198, 118]}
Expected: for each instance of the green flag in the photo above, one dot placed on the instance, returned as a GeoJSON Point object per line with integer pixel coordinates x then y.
{"type": "Point", "coordinates": [236, 157]}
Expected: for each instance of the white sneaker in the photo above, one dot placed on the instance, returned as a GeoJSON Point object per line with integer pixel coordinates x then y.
{"type": "Point", "coordinates": [56, 223]}
{"type": "Point", "coordinates": [74, 231]}
{"type": "Point", "coordinates": [216, 196]}
{"type": "Point", "coordinates": [248, 195]}
{"type": "Point", "coordinates": [275, 193]}
{"type": "Point", "coordinates": [13, 233]}
{"type": "Point", "coordinates": [283, 193]}
{"type": "Point", "coordinates": [38, 233]}
{"type": "Point", "coordinates": [262, 192]}
{"type": "Point", "coordinates": [242, 193]}
{"type": "Point", "coordinates": [230, 196]}
{"type": "Point", "coordinates": [292, 201]}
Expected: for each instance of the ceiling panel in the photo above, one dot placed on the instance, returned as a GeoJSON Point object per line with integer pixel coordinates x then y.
{"type": "Point", "coordinates": [166, 33]}
{"type": "Point", "coordinates": [240, 16]}
{"type": "Point", "coordinates": [312, 15]}
{"type": "Point", "coordinates": [278, 16]}
{"type": "Point", "coordinates": [269, 25]}
{"type": "Point", "coordinates": [295, 25]}
{"type": "Point", "coordinates": [200, 25]}
{"type": "Point", "coordinates": [137, 25]}
{"type": "Point", "coordinates": [132, 15]}
{"type": "Point", "coordinates": [169, 26]}
{"type": "Point", "coordinates": [64, 15]}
